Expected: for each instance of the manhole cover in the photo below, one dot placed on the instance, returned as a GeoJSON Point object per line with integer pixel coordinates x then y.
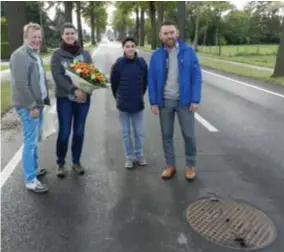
{"type": "Point", "coordinates": [231, 224]}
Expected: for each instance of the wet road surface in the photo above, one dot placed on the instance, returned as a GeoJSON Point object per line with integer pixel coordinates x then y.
{"type": "Point", "coordinates": [112, 209]}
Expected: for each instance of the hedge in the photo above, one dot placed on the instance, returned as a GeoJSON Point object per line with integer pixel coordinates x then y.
{"type": "Point", "coordinates": [5, 50]}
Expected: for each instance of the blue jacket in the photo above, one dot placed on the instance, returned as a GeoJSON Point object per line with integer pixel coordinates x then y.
{"type": "Point", "coordinates": [190, 79]}
{"type": "Point", "coordinates": [129, 83]}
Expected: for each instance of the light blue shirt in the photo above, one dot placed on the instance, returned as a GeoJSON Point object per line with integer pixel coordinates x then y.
{"type": "Point", "coordinates": [42, 77]}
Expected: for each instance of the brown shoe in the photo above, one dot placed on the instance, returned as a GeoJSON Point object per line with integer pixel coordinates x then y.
{"type": "Point", "coordinates": [190, 173]}
{"type": "Point", "coordinates": [169, 172]}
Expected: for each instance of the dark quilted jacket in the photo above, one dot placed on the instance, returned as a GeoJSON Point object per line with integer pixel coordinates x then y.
{"type": "Point", "coordinates": [129, 83]}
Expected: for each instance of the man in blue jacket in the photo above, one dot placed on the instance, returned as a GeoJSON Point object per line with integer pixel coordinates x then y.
{"type": "Point", "coordinates": [174, 81]}
{"type": "Point", "coordinates": [129, 83]}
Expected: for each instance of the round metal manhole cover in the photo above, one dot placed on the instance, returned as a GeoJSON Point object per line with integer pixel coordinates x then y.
{"type": "Point", "coordinates": [231, 224]}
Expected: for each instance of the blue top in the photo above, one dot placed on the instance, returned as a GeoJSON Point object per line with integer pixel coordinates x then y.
{"type": "Point", "coordinates": [189, 72]}
{"type": "Point", "coordinates": [129, 83]}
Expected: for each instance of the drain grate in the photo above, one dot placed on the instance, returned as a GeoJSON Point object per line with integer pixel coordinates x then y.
{"type": "Point", "coordinates": [231, 223]}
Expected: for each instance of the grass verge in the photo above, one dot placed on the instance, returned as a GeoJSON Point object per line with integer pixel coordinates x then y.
{"type": "Point", "coordinates": [241, 71]}
{"type": "Point", "coordinates": [264, 60]}
{"type": "Point", "coordinates": [90, 47]}
{"type": "Point", "coordinates": [237, 70]}
{"type": "Point", "coordinates": [5, 97]}
{"type": "Point", "coordinates": [3, 67]}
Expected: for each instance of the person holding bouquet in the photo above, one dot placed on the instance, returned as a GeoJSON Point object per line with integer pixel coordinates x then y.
{"type": "Point", "coordinates": [129, 83]}
{"type": "Point", "coordinates": [72, 103]}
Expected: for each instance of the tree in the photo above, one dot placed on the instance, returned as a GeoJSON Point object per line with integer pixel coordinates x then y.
{"type": "Point", "coordinates": [152, 9]}
{"type": "Point", "coordinates": [79, 23]}
{"type": "Point", "coordinates": [196, 32]}
{"type": "Point", "coordinates": [16, 14]}
{"type": "Point", "coordinates": [68, 7]}
{"type": "Point", "coordinates": [181, 18]}
{"type": "Point", "coordinates": [142, 27]}
{"type": "Point", "coordinates": [279, 66]}
{"type": "Point", "coordinates": [92, 21]}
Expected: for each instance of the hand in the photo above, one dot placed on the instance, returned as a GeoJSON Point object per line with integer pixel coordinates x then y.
{"type": "Point", "coordinates": [193, 107]}
{"type": "Point", "coordinates": [34, 112]}
{"type": "Point", "coordinates": [155, 109]}
{"type": "Point", "coordinates": [80, 96]}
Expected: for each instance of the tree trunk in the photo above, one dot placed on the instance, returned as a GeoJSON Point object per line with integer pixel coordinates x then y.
{"type": "Point", "coordinates": [153, 25]}
{"type": "Point", "coordinates": [79, 24]}
{"type": "Point", "coordinates": [279, 65]}
{"type": "Point", "coordinates": [196, 33]}
{"type": "Point", "coordinates": [68, 7]}
{"type": "Point", "coordinates": [43, 43]}
{"type": "Point", "coordinates": [160, 16]}
{"type": "Point", "coordinates": [98, 32]}
{"type": "Point", "coordinates": [205, 35]}
{"type": "Point", "coordinates": [92, 22]}
{"type": "Point", "coordinates": [137, 24]}
{"type": "Point", "coordinates": [16, 14]}
{"type": "Point", "coordinates": [142, 28]}
{"type": "Point", "coordinates": [181, 18]}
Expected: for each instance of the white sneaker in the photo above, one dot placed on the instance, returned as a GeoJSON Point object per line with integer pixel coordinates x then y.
{"type": "Point", "coordinates": [36, 186]}
{"type": "Point", "coordinates": [129, 164]}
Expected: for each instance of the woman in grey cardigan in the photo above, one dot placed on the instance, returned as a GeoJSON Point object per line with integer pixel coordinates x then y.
{"type": "Point", "coordinates": [72, 103]}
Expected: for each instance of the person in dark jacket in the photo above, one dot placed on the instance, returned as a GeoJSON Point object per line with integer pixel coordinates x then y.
{"type": "Point", "coordinates": [72, 103]}
{"type": "Point", "coordinates": [129, 84]}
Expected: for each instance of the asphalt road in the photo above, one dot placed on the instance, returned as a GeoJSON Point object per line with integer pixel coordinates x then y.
{"type": "Point", "coordinates": [111, 209]}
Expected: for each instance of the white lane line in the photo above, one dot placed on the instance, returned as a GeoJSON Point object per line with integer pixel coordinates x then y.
{"type": "Point", "coordinates": [245, 84]}
{"type": "Point", "coordinates": [205, 123]}
{"type": "Point", "coordinates": [10, 167]}
{"type": "Point", "coordinates": [15, 160]}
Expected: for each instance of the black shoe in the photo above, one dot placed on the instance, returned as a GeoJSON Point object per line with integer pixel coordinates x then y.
{"type": "Point", "coordinates": [40, 172]}
{"type": "Point", "coordinates": [61, 171]}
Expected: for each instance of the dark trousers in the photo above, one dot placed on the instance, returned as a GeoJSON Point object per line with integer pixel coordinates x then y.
{"type": "Point", "coordinates": [71, 112]}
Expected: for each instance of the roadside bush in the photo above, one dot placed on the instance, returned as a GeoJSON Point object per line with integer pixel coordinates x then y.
{"type": "Point", "coordinates": [5, 50]}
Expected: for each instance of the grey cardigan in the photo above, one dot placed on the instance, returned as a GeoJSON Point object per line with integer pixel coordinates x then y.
{"type": "Point", "coordinates": [64, 85]}
{"type": "Point", "coordinates": [25, 79]}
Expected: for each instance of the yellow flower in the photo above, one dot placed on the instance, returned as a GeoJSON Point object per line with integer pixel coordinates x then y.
{"type": "Point", "coordinates": [78, 71]}
{"type": "Point", "coordinates": [93, 77]}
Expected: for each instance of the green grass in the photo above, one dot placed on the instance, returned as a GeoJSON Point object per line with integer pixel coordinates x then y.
{"type": "Point", "coordinates": [241, 71]}
{"type": "Point", "coordinates": [266, 61]}
{"type": "Point", "coordinates": [3, 67]}
{"type": "Point", "coordinates": [47, 68]}
{"type": "Point", "coordinates": [240, 50]}
{"type": "Point", "coordinates": [260, 55]}
{"type": "Point", "coordinates": [44, 55]}
{"type": "Point", "coordinates": [235, 69]}
{"type": "Point", "coordinates": [90, 47]}
{"type": "Point", "coordinates": [5, 97]}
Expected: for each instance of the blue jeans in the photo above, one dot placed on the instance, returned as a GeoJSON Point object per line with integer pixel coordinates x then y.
{"type": "Point", "coordinates": [187, 125]}
{"type": "Point", "coordinates": [68, 111]}
{"type": "Point", "coordinates": [31, 134]}
{"type": "Point", "coordinates": [136, 119]}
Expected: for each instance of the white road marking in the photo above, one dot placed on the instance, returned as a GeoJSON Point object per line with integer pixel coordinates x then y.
{"type": "Point", "coordinates": [10, 167]}
{"type": "Point", "coordinates": [15, 160]}
{"type": "Point", "coordinates": [245, 84]}
{"type": "Point", "coordinates": [205, 123]}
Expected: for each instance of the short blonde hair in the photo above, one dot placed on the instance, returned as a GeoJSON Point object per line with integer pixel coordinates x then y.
{"type": "Point", "coordinates": [29, 27]}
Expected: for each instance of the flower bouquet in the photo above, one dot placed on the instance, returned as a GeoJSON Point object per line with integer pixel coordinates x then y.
{"type": "Point", "coordinates": [86, 76]}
